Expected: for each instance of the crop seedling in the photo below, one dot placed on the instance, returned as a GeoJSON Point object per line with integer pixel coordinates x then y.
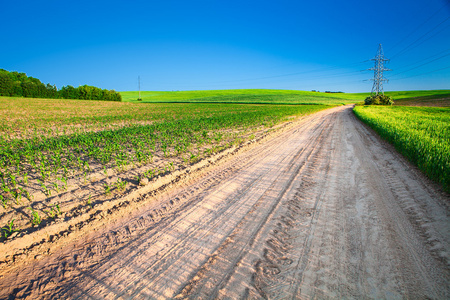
{"type": "Point", "coordinates": [8, 230]}
{"type": "Point", "coordinates": [16, 194]}
{"type": "Point", "coordinates": [84, 177]}
{"type": "Point", "coordinates": [64, 181]}
{"type": "Point", "coordinates": [28, 195]}
{"type": "Point", "coordinates": [149, 173]}
{"type": "Point", "coordinates": [193, 158]}
{"type": "Point", "coordinates": [13, 180]}
{"type": "Point", "coordinates": [56, 186]}
{"type": "Point", "coordinates": [4, 201]}
{"type": "Point", "coordinates": [47, 191]}
{"type": "Point", "coordinates": [6, 189]}
{"type": "Point", "coordinates": [35, 218]}
{"type": "Point", "coordinates": [54, 211]}
{"type": "Point", "coordinates": [121, 184]}
{"type": "Point", "coordinates": [25, 178]}
{"type": "Point", "coordinates": [107, 189]}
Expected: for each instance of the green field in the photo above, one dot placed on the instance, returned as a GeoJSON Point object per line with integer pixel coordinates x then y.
{"type": "Point", "coordinates": [421, 134]}
{"type": "Point", "coordinates": [265, 96]}
{"type": "Point", "coordinates": [262, 96]}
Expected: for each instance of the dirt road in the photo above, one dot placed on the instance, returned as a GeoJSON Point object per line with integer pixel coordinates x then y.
{"type": "Point", "coordinates": [324, 210]}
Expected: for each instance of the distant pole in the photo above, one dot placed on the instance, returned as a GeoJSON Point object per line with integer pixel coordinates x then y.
{"type": "Point", "coordinates": [139, 85]}
{"type": "Point", "coordinates": [378, 69]}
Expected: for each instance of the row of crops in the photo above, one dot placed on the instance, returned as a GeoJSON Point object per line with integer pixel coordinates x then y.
{"type": "Point", "coordinates": [43, 155]}
{"type": "Point", "coordinates": [421, 134]}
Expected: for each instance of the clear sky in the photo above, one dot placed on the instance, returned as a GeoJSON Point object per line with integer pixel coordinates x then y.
{"type": "Point", "coordinates": [210, 44]}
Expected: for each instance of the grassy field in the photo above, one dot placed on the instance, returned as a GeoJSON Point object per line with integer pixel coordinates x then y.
{"type": "Point", "coordinates": [265, 96]}
{"type": "Point", "coordinates": [421, 134]}
{"type": "Point", "coordinates": [244, 96]}
{"type": "Point", "coordinates": [54, 151]}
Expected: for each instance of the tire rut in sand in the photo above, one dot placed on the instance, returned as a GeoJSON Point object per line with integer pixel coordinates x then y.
{"type": "Point", "coordinates": [279, 272]}
{"type": "Point", "coordinates": [222, 275]}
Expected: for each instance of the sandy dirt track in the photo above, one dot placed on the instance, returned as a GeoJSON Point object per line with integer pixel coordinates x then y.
{"type": "Point", "coordinates": [324, 210]}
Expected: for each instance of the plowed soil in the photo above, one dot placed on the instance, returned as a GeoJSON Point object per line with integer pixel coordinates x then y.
{"type": "Point", "coordinates": [323, 210]}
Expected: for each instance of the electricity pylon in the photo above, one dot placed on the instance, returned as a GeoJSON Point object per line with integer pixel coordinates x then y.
{"type": "Point", "coordinates": [378, 71]}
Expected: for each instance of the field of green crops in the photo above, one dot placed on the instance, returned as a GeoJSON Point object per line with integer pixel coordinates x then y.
{"type": "Point", "coordinates": [421, 134]}
{"type": "Point", "coordinates": [50, 148]}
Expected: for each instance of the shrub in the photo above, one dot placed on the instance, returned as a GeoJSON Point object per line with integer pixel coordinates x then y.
{"type": "Point", "coordinates": [378, 100]}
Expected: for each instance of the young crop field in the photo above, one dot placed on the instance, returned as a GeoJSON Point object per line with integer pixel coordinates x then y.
{"type": "Point", "coordinates": [421, 134]}
{"type": "Point", "coordinates": [59, 158]}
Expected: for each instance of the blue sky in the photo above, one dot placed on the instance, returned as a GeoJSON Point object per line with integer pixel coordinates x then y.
{"type": "Point", "coordinates": [206, 44]}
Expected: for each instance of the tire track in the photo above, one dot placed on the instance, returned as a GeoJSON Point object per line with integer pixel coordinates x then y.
{"type": "Point", "coordinates": [215, 275]}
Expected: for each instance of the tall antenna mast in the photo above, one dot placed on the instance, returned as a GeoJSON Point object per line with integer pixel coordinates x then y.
{"type": "Point", "coordinates": [378, 69]}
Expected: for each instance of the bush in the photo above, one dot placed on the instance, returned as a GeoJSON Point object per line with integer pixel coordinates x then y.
{"type": "Point", "coordinates": [378, 100]}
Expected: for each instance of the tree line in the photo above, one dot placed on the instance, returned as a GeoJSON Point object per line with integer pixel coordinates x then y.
{"type": "Point", "coordinates": [17, 84]}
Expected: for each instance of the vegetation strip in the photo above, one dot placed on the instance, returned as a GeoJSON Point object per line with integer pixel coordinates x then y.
{"type": "Point", "coordinates": [20, 85]}
{"type": "Point", "coordinates": [267, 96]}
{"type": "Point", "coordinates": [421, 134]}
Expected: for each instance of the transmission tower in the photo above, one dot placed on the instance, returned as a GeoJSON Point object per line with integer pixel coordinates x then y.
{"type": "Point", "coordinates": [378, 71]}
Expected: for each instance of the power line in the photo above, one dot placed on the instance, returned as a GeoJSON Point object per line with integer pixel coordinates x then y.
{"type": "Point", "coordinates": [423, 73]}
{"type": "Point", "coordinates": [422, 64]}
{"type": "Point", "coordinates": [320, 70]}
{"type": "Point", "coordinates": [429, 38]}
{"type": "Point", "coordinates": [407, 47]}
{"type": "Point", "coordinates": [292, 74]}
{"type": "Point", "coordinates": [421, 60]}
{"type": "Point", "coordinates": [417, 28]}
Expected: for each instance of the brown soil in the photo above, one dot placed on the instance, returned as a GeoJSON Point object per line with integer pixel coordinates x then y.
{"type": "Point", "coordinates": [434, 101]}
{"type": "Point", "coordinates": [322, 210]}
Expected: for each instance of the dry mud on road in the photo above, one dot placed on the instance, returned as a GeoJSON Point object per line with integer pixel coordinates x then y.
{"type": "Point", "coordinates": [324, 210]}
